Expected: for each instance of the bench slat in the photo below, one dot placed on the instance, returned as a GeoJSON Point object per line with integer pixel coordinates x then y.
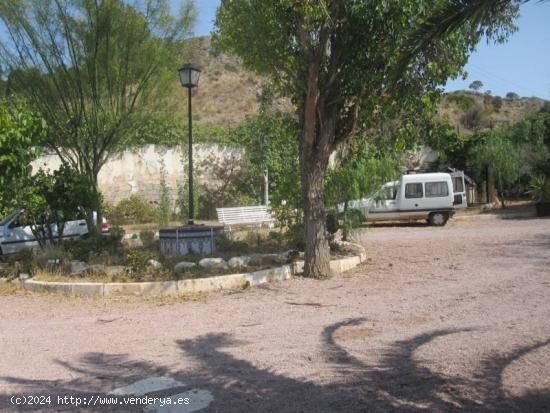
{"type": "Point", "coordinates": [244, 215]}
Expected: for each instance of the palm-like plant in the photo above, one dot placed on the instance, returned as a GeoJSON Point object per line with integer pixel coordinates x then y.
{"type": "Point", "coordinates": [539, 189]}
{"type": "Point", "coordinates": [482, 16]}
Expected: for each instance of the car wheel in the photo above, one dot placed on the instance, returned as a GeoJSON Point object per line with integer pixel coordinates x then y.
{"type": "Point", "coordinates": [438, 219]}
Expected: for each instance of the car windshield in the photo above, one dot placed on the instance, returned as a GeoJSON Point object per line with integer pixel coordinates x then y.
{"type": "Point", "coordinates": [9, 217]}
{"type": "Point", "coordinates": [387, 192]}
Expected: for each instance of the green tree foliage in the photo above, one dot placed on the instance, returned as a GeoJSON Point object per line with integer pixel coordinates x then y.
{"type": "Point", "coordinates": [512, 95]}
{"type": "Point", "coordinates": [20, 131]}
{"type": "Point", "coordinates": [170, 130]}
{"type": "Point", "coordinates": [269, 140]}
{"type": "Point", "coordinates": [539, 189]}
{"type": "Point", "coordinates": [476, 85]}
{"type": "Point", "coordinates": [199, 209]}
{"type": "Point", "coordinates": [543, 117]}
{"type": "Point", "coordinates": [496, 101]}
{"type": "Point", "coordinates": [363, 170]}
{"type": "Point", "coordinates": [94, 69]}
{"type": "Point", "coordinates": [452, 146]}
{"type": "Point", "coordinates": [512, 153]}
{"type": "Point", "coordinates": [531, 135]}
{"type": "Point", "coordinates": [234, 184]}
{"type": "Point", "coordinates": [487, 17]}
{"type": "Point", "coordinates": [51, 199]}
{"type": "Point", "coordinates": [496, 152]}
{"type": "Point", "coordinates": [341, 63]}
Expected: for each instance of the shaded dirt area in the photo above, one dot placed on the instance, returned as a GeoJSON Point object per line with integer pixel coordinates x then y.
{"type": "Point", "coordinates": [439, 319]}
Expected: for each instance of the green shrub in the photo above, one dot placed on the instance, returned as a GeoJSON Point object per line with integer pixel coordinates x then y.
{"type": "Point", "coordinates": [277, 237]}
{"type": "Point", "coordinates": [296, 238]}
{"type": "Point", "coordinates": [116, 233]}
{"type": "Point", "coordinates": [332, 223]}
{"type": "Point", "coordinates": [463, 101]}
{"type": "Point", "coordinates": [473, 116]}
{"type": "Point", "coordinates": [147, 238]}
{"type": "Point", "coordinates": [497, 103]}
{"type": "Point", "coordinates": [137, 260]}
{"type": "Point", "coordinates": [253, 239]}
{"type": "Point", "coordinates": [84, 248]}
{"type": "Point", "coordinates": [512, 95]}
{"type": "Point", "coordinates": [224, 244]}
{"type": "Point", "coordinates": [353, 218]}
{"type": "Point", "coordinates": [164, 209]}
{"type": "Point", "coordinates": [21, 261]}
{"type": "Point", "coordinates": [133, 210]}
{"type": "Point", "coordinates": [539, 189]}
{"type": "Point", "coordinates": [51, 256]}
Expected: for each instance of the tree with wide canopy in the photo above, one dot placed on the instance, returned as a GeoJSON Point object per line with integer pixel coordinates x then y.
{"type": "Point", "coordinates": [346, 65]}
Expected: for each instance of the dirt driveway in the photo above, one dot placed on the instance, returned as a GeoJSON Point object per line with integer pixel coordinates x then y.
{"type": "Point", "coordinates": [440, 319]}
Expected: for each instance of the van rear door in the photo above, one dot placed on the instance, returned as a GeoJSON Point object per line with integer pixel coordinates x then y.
{"type": "Point", "coordinates": [459, 190]}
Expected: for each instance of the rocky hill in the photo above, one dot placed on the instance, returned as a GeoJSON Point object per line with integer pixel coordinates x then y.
{"type": "Point", "coordinates": [470, 110]}
{"type": "Point", "coordinates": [228, 92]}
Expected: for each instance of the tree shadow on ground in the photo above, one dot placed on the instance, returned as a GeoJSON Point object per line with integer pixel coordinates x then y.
{"type": "Point", "coordinates": [396, 383]}
{"type": "Point", "coordinates": [534, 249]}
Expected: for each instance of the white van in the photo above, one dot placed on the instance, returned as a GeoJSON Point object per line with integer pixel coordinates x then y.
{"type": "Point", "coordinates": [15, 234]}
{"type": "Point", "coordinates": [423, 196]}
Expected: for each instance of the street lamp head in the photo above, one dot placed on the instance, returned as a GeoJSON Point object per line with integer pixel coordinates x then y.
{"type": "Point", "coordinates": [189, 76]}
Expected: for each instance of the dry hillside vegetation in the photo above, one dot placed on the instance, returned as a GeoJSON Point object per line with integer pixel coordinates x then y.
{"type": "Point", "coordinates": [472, 110]}
{"type": "Point", "coordinates": [228, 92]}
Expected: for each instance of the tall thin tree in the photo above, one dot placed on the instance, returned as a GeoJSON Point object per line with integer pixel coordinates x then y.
{"type": "Point", "coordinates": [93, 68]}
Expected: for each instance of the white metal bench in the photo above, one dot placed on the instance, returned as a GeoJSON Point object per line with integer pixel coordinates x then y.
{"type": "Point", "coordinates": [249, 215]}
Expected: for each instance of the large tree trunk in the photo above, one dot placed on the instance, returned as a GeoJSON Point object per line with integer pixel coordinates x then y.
{"type": "Point", "coordinates": [317, 253]}
{"type": "Point", "coordinates": [314, 155]}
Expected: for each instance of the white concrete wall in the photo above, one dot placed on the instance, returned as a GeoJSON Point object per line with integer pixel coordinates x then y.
{"type": "Point", "coordinates": [138, 171]}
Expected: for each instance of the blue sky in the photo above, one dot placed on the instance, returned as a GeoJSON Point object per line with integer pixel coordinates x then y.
{"type": "Point", "coordinates": [521, 65]}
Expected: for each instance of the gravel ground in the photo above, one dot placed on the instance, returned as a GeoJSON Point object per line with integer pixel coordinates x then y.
{"type": "Point", "coordinates": [439, 319]}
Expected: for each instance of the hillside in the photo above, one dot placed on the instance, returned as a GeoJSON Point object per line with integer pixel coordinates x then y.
{"type": "Point", "coordinates": [470, 110]}
{"type": "Point", "coordinates": [227, 93]}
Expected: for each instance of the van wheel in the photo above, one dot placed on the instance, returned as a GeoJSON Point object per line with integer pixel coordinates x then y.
{"type": "Point", "coordinates": [438, 219]}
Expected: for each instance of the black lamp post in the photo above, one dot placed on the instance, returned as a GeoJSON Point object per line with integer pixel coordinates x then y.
{"type": "Point", "coordinates": [189, 78]}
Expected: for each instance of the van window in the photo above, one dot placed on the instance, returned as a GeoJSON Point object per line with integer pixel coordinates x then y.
{"type": "Point", "coordinates": [435, 189]}
{"type": "Point", "coordinates": [458, 184]}
{"type": "Point", "coordinates": [413, 190]}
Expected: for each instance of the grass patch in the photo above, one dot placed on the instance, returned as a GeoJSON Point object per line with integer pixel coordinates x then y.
{"type": "Point", "coordinates": [11, 288]}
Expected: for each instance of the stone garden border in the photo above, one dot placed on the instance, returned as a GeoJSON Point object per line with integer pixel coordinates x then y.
{"type": "Point", "coordinates": [190, 286]}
